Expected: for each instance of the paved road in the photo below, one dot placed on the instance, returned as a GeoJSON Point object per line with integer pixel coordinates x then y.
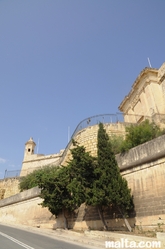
{"type": "Point", "coordinates": [14, 238]}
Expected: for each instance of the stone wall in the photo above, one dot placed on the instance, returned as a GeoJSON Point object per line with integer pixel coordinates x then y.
{"type": "Point", "coordinates": [147, 183]}
{"type": "Point", "coordinates": [144, 169]}
{"type": "Point", "coordinates": [9, 187]}
{"type": "Point", "coordinates": [24, 208]}
{"type": "Point", "coordinates": [88, 137]}
{"type": "Point", "coordinates": [37, 161]}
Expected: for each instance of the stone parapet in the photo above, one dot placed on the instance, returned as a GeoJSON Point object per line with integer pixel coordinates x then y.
{"type": "Point", "coordinates": [36, 162]}
{"type": "Point", "coordinates": [26, 195]}
{"type": "Point", "coordinates": [142, 154]}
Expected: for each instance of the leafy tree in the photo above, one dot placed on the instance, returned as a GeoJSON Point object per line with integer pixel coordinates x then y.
{"type": "Point", "coordinates": [33, 179]}
{"type": "Point", "coordinates": [53, 183]}
{"type": "Point", "coordinates": [69, 188]}
{"type": "Point", "coordinates": [64, 189]}
{"type": "Point", "coordinates": [81, 174]}
{"type": "Point", "coordinates": [55, 194]}
{"type": "Point", "coordinates": [109, 188]}
{"type": "Point", "coordinates": [139, 134]}
{"type": "Point", "coordinates": [116, 143]}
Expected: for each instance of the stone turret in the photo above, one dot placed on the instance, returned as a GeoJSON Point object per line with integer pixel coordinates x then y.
{"type": "Point", "coordinates": [34, 161]}
{"type": "Point", "coordinates": [29, 149]}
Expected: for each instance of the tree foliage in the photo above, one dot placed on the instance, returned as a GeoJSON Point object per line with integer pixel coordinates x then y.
{"type": "Point", "coordinates": [33, 179]}
{"type": "Point", "coordinates": [54, 192]}
{"type": "Point", "coordinates": [81, 174]}
{"type": "Point", "coordinates": [139, 134]}
{"type": "Point", "coordinates": [64, 188]}
{"type": "Point", "coordinates": [85, 179]}
{"type": "Point", "coordinates": [116, 143]}
{"type": "Point", "coordinates": [109, 188]}
{"type": "Point", "coordinates": [136, 134]}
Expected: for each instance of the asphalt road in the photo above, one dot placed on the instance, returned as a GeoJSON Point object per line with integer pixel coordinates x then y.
{"type": "Point", "coordinates": [14, 238]}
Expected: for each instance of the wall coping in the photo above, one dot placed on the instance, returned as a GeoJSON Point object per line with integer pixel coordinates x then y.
{"type": "Point", "coordinates": [23, 196]}
{"type": "Point", "coordinates": [144, 153]}
{"type": "Point", "coordinates": [42, 158]}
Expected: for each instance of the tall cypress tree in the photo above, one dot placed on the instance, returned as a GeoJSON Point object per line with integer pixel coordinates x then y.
{"type": "Point", "coordinates": [109, 187]}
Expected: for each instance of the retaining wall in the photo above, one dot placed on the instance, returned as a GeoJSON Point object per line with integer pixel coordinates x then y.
{"type": "Point", "coordinates": [144, 169]}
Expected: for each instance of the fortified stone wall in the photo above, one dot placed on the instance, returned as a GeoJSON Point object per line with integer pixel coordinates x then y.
{"type": "Point", "coordinates": [37, 161]}
{"type": "Point", "coordinates": [144, 169]}
{"type": "Point", "coordinates": [88, 137]}
{"type": "Point", "coordinates": [9, 187]}
{"type": "Point", "coordinates": [148, 189]}
{"type": "Point", "coordinates": [24, 208]}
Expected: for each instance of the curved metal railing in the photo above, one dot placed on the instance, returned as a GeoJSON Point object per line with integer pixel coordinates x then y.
{"type": "Point", "coordinates": [91, 121]}
{"type": "Point", "coordinates": [94, 120]}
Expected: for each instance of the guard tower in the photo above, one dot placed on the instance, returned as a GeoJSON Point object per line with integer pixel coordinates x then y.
{"type": "Point", "coordinates": [29, 149]}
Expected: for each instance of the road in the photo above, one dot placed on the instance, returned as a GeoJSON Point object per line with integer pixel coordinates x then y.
{"type": "Point", "coordinates": [14, 238]}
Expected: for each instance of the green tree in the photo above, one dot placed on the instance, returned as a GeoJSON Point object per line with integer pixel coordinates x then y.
{"type": "Point", "coordinates": [69, 188]}
{"type": "Point", "coordinates": [109, 188]}
{"type": "Point", "coordinates": [64, 189]}
{"type": "Point", "coordinates": [55, 194]}
{"type": "Point", "coordinates": [33, 179]}
{"type": "Point", "coordinates": [53, 183]}
{"type": "Point", "coordinates": [81, 174]}
{"type": "Point", "coordinates": [116, 143]}
{"type": "Point", "coordinates": [139, 134]}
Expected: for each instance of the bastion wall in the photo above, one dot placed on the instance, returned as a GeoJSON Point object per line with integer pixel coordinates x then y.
{"type": "Point", "coordinates": [144, 169]}
{"type": "Point", "coordinates": [88, 138]}
{"type": "Point", "coordinates": [38, 161]}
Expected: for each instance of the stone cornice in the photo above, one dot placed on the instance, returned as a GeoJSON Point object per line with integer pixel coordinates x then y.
{"type": "Point", "coordinates": [42, 158]}
{"type": "Point", "coordinates": [135, 85]}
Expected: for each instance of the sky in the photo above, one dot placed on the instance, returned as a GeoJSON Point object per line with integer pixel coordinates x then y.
{"type": "Point", "coordinates": [62, 61]}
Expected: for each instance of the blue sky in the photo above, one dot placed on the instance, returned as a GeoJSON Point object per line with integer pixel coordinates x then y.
{"type": "Point", "coordinates": [62, 61]}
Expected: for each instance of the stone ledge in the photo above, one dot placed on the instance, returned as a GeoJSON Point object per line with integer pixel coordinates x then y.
{"type": "Point", "coordinates": [25, 195]}
{"type": "Point", "coordinates": [144, 153]}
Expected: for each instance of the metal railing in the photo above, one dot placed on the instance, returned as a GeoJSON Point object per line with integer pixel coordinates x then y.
{"type": "Point", "coordinates": [12, 173]}
{"type": "Point", "coordinates": [94, 120]}
{"type": "Point", "coordinates": [91, 121]}
{"type": "Point", "coordinates": [107, 119]}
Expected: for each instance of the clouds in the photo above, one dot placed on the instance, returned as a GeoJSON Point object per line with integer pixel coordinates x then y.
{"type": "Point", "coordinates": [2, 160]}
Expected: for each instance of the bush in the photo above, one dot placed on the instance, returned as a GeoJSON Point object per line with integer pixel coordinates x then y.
{"type": "Point", "coordinates": [139, 134]}
{"type": "Point", "coordinates": [116, 143]}
{"type": "Point", "coordinates": [34, 179]}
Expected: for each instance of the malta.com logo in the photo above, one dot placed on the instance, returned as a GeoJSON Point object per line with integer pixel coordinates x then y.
{"type": "Point", "coordinates": [125, 243]}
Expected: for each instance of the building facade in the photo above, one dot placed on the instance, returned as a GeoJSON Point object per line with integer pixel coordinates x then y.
{"type": "Point", "coordinates": [146, 98]}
